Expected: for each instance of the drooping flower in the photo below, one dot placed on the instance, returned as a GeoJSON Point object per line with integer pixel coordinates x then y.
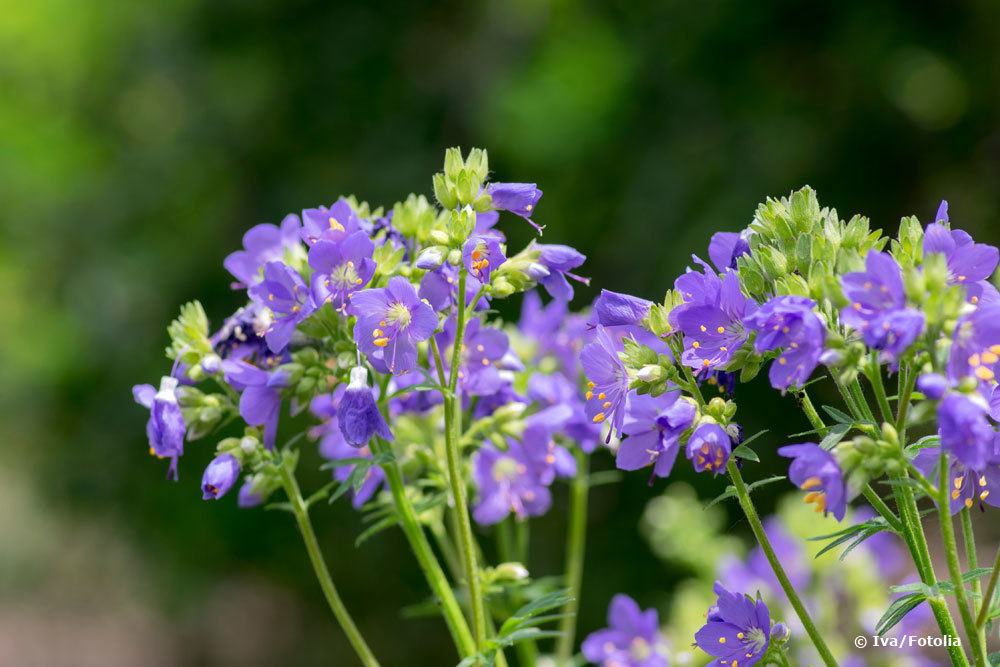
{"type": "Point", "coordinates": [878, 306]}
{"type": "Point", "coordinates": [507, 482]}
{"type": "Point", "coordinates": [617, 309]}
{"type": "Point", "coordinates": [738, 629]}
{"type": "Point", "coordinates": [969, 263]}
{"type": "Point", "coordinates": [975, 348]}
{"type": "Point", "coordinates": [654, 427]}
{"type": "Point", "coordinates": [247, 497]}
{"type": "Point", "coordinates": [220, 476]}
{"type": "Point", "coordinates": [788, 322]}
{"type": "Point", "coordinates": [334, 223]}
{"type": "Point", "coordinates": [607, 386]}
{"type": "Point", "coordinates": [965, 431]}
{"type": "Point", "coordinates": [816, 471]}
{"type": "Point", "coordinates": [632, 638]}
{"type": "Point", "coordinates": [391, 321]}
{"type": "Point", "coordinates": [714, 330]}
{"type": "Point", "coordinates": [260, 395]}
{"type": "Point", "coordinates": [726, 247]}
{"type": "Point", "coordinates": [165, 427]}
{"type": "Point", "coordinates": [333, 447]}
{"type": "Point", "coordinates": [517, 198]}
{"type": "Point", "coordinates": [553, 268]}
{"type": "Point", "coordinates": [709, 448]}
{"type": "Point", "coordinates": [481, 255]}
{"type": "Point", "coordinates": [341, 268]}
{"type": "Point", "coordinates": [357, 414]}
{"type": "Point", "coordinates": [241, 336]}
{"type": "Point", "coordinates": [285, 294]}
{"type": "Point", "coordinates": [262, 244]}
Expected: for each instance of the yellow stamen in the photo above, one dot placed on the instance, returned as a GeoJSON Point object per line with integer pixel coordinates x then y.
{"type": "Point", "coordinates": [968, 502]}
{"type": "Point", "coordinates": [601, 396]}
{"type": "Point", "coordinates": [984, 373]}
{"type": "Point", "coordinates": [599, 417]}
{"type": "Point", "coordinates": [990, 357]}
{"type": "Point", "coordinates": [703, 328]}
{"type": "Point", "coordinates": [335, 226]}
{"type": "Point", "coordinates": [696, 345]}
{"type": "Point", "coordinates": [955, 495]}
{"type": "Point", "coordinates": [606, 404]}
{"type": "Point", "coordinates": [376, 333]}
{"type": "Point", "coordinates": [782, 361]}
{"type": "Point", "coordinates": [811, 483]}
{"type": "Point", "coordinates": [974, 360]}
{"type": "Point", "coordinates": [589, 395]}
{"type": "Point", "coordinates": [982, 496]}
{"type": "Point", "coordinates": [721, 329]}
{"type": "Point", "coordinates": [722, 640]}
{"type": "Point", "coordinates": [381, 342]}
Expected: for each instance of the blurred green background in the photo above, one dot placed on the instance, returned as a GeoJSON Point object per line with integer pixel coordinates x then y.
{"type": "Point", "coordinates": [139, 140]}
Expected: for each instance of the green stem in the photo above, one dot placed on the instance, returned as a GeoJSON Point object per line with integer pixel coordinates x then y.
{"type": "Point", "coordinates": [954, 567]}
{"type": "Point", "coordinates": [521, 537]}
{"type": "Point", "coordinates": [907, 380]}
{"type": "Point", "coordinates": [972, 563]}
{"type": "Point", "coordinates": [428, 562]}
{"type": "Point", "coordinates": [301, 511]}
{"type": "Point", "coordinates": [576, 540]}
{"type": "Point", "coordinates": [453, 431]}
{"type": "Point", "coordinates": [875, 377]}
{"type": "Point", "coordinates": [743, 495]}
{"type": "Point", "coordinates": [861, 401]}
{"type": "Point", "coordinates": [988, 593]}
{"type": "Point", "coordinates": [527, 650]}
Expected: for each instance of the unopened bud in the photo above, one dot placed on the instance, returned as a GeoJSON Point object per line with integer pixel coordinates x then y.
{"type": "Point", "coordinates": [439, 237]}
{"type": "Point", "coordinates": [650, 373]}
{"type": "Point", "coordinates": [431, 258]}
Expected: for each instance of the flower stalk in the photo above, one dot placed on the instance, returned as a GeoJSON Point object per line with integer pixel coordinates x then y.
{"type": "Point", "coordinates": [576, 540]}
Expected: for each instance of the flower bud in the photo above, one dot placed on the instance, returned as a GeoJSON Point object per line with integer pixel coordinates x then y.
{"type": "Point", "coordinates": [439, 237]}
{"type": "Point", "coordinates": [509, 573]}
{"type": "Point", "coordinates": [358, 415]}
{"type": "Point", "coordinates": [249, 444]}
{"type": "Point", "coordinates": [932, 385]}
{"type": "Point", "coordinates": [219, 477]}
{"type": "Point", "coordinates": [780, 633]}
{"type": "Point", "coordinates": [432, 257]}
{"type": "Point", "coordinates": [650, 373]}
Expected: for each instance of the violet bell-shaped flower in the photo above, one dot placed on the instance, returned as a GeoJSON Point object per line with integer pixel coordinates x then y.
{"type": "Point", "coordinates": [709, 448]}
{"type": "Point", "coordinates": [334, 223]}
{"type": "Point", "coordinates": [165, 428]}
{"type": "Point", "coordinates": [789, 323]}
{"type": "Point", "coordinates": [358, 414]}
{"type": "Point", "coordinates": [816, 471]}
{"type": "Point", "coordinates": [517, 198]}
{"type": "Point", "coordinates": [607, 386]}
{"type": "Point", "coordinates": [970, 264]}
{"type": "Point", "coordinates": [737, 631]}
{"type": "Point", "coordinates": [262, 244]}
{"type": "Point", "coordinates": [654, 427]}
{"type": "Point", "coordinates": [714, 330]}
{"type": "Point", "coordinates": [632, 638]}
{"type": "Point", "coordinates": [220, 476]}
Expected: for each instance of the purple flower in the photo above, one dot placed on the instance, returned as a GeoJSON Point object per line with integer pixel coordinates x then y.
{"type": "Point", "coordinates": [358, 414]}
{"type": "Point", "coordinates": [714, 330]}
{"type": "Point", "coordinates": [391, 321]}
{"type": "Point", "coordinates": [165, 427]}
{"type": "Point", "coordinates": [709, 448]}
{"type": "Point", "coordinates": [557, 390]}
{"type": "Point", "coordinates": [241, 336]}
{"type": "Point", "coordinates": [333, 447]}
{"type": "Point", "coordinates": [260, 395]}
{"type": "Point", "coordinates": [261, 244]}
{"type": "Point", "coordinates": [789, 322]}
{"type": "Point", "coordinates": [549, 458]}
{"type": "Point", "coordinates": [933, 385]}
{"type": "Point", "coordinates": [287, 297]}
{"type": "Point", "coordinates": [738, 631]}
{"type": "Point", "coordinates": [220, 476]}
{"type": "Point", "coordinates": [555, 331]}
{"type": "Point", "coordinates": [654, 427]}
{"type": "Point", "coordinates": [334, 223]}
{"type": "Point", "coordinates": [816, 471]}
{"type": "Point", "coordinates": [965, 432]}
{"type": "Point", "coordinates": [969, 263]}
{"type": "Point", "coordinates": [968, 486]}
{"type": "Point", "coordinates": [726, 247]}
{"type": "Point", "coordinates": [341, 268]}
{"type": "Point", "coordinates": [616, 309]}
{"type": "Point", "coordinates": [553, 268]}
{"type": "Point", "coordinates": [607, 388]}
{"type": "Point", "coordinates": [878, 306]}
{"type": "Point", "coordinates": [518, 198]}
{"type": "Point", "coordinates": [507, 482]}
{"type": "Point", "coordinates": [975, 348]}
{"type": "Point", "coordinates": [440, 288]}
{"type": "Point", "coordinates": [754, 571]}
{"type": "Point", "coordinates": [481, 255]}
{"type": "Point", "coordinates": [632, 638]}
{"type": "Point", "coordinates": [484, 352]}
{"type": "Point", "coordinates": [697, 287]}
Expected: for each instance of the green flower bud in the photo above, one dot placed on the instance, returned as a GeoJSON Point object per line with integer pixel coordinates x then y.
{"type": "Point", "coordinates": [650, 373]}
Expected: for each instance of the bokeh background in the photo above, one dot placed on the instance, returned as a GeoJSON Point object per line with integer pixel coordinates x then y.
{"type": "Point", "coordinates": [139, 140]}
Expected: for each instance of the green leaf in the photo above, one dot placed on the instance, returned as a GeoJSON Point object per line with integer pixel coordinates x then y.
{"type": "Point", "coordinates": [897, 611]}
{"type": "Point", "coordinates": [838, 416]}
{"type": "Point", "coordinates": [730, 492]}
{"type": "Point", "coordinates": [835, 435]}
{"type": "Point", "coordinates": [744, 452]}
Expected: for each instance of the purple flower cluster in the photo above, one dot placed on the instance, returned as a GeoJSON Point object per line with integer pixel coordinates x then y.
{"type": "Point", "coordinates": [789, 324]}
{"type": "Point", "coordinates": [632, 638]}
{"type": "Point", "coordinates": [737, 629]}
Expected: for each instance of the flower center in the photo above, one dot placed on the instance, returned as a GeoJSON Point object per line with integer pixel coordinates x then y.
{"type": "Point", "coordinates": [399, 315]}
{"type": "Point", "coordinates": [345, 275]}
{"type": "Point", "coordinates": [505, 469]}
{"type": "Point", "coordinates": [639, 649]}
{"type": "Point", "coordinates": [755, 640]}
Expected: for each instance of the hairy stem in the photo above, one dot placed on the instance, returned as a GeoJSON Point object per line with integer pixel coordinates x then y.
{"type": "Point", "coordinates": [988, 593]}
{"type": "Point", "coordinates": [576, 540]}
{"type": "Point", "coordinates": [301, 512]}
{"type": "Point", "coordinates": [972, 563]}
